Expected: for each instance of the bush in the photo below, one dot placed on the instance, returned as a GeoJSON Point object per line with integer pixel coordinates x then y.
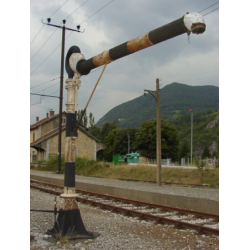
{"type": "Point", "coordinates": [52, 164]}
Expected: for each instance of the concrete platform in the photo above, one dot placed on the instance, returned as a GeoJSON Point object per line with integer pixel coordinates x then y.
{"type": "Point", "coordinates": [198, 199]}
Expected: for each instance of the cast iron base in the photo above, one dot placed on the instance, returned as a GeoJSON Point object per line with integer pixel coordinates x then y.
{"type": "Point", "coordinates": [69, 223]}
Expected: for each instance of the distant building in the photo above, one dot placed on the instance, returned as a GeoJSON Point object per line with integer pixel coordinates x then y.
{"type": "Point", "coordinates": [44, 139]}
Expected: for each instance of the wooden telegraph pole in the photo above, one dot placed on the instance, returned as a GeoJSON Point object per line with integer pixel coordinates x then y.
{"type": "Point", "coordinates": [156, 95]}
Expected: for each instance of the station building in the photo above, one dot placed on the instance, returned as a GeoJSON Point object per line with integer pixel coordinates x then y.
{"type": "Point", "coordinates": [44, 139]}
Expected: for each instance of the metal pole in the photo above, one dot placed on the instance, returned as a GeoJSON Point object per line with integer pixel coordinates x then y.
{"type": "Point", "coordinates": [158, 133]}
{"type": "Point", "coordinates": [191, 136]}
{"type": "Point", "coordinates": [61, 101]}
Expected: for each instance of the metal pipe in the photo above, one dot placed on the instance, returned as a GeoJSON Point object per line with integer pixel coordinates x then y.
{"type": "Point", "coordinates": [61, 102]}
{"type": "Point", "coordinates": [192, 22]}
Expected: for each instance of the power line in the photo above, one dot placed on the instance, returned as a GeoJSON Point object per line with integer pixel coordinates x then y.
{"type": "Point", "coordinates": [46, 59]}
{"type": "Point", "coordinates": [120, 98]}
{"type": "Point", "coordinates": [60, 24]}
{"type": "Point", "coordinates": [44, 95]}
{"type": "Point", "coordinates": [44, 43]}
{"type": "Point", "coordinates": [97, 11]}
{"type": "Point", "coordinates": [76, 9]}
{"type": "Point", "coordinates": [211, 11]}
{"type": "Point", "coordinates": [48, 87]}
{"type": "Point", "coordinates": [208, 7]}
{"type": "Point", "coordinates": [43, 24]}
{"type": "Point", "coordinates": [44, 83]}
{"type": "Point", "coordinates": [42, 99]}
{"type": "Point", "coordinates": [37, 34]}
{"type": "Point", "coordinates": [59, 8]}
{"type": "Point", "coordinates": [67, 37]}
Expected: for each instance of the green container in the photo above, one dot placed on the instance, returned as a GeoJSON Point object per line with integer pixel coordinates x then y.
{"type": "Point", "coordinates": [133, 158]}
{"type": "Point", "coordinates": [116, 159]}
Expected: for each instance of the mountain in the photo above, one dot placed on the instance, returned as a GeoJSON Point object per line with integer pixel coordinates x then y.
{"type": "Point", "coordinates": [175, 99]}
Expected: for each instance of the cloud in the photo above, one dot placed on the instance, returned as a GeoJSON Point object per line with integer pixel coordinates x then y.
{"type": "Point", "coordinates": [194, 62]}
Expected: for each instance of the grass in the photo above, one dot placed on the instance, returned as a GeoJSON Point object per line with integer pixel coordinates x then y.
{"type": "Point", "coordinates": [138, 172]}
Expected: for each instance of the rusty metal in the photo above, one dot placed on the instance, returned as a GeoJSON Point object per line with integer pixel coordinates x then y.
{"type": "Point", "coordinates": [139, 43]}
{"type": "Point", "coordinates": [158, 219]}
{"type": "Point", "coordinates": [102, 59]}
{"type": "Point", "coordinates": [163, 33]}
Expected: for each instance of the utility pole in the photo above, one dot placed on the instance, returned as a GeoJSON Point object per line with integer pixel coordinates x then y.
{"type": "Point", "coordinates": [156, 95]}
{"type": "Point", "coordinates": [191, 161]}
{"type": "Point", "coordinates": [61, 87]}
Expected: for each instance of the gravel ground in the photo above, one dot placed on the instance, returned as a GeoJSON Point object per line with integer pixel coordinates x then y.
{"type": "Point", "coordinates": [116, 231]}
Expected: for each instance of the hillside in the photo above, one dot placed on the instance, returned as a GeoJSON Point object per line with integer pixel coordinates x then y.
{"type": "Point", "coordinates": [176, 99]}
{"type": "Point", "coordinates": [205, 131]}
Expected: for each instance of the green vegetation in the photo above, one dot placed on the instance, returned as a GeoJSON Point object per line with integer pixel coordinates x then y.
{"type": "Point", "coordinates": [176, 100]}
{"type": "Point", "coordinates": [176, 137]}
{"type": "Point", "coordinates": [203, 137]}
{"type": "Point", "coordinates": [102, 169]}
{"type": "Point", "coordinates": [145, 140]}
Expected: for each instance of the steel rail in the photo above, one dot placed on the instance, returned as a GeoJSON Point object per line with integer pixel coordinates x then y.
{"type": "Point", "coordinates": [141, 203]}
{"type": "Point", "coordinates": [141, 215]}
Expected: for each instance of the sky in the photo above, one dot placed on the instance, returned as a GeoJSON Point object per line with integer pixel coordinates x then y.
{"type": "Point", "coordinates": [106, 24]}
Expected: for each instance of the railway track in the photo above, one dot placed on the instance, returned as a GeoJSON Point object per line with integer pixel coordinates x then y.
{"type": "Point", "coordinates": [203, 223]}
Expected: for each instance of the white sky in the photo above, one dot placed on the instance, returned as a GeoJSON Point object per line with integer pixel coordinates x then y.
{"type": "Point", "coordinates": [176, 60]}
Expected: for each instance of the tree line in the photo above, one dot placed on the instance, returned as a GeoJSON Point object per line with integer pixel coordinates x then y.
{"type": "Point", "coordinates": [174, 143]}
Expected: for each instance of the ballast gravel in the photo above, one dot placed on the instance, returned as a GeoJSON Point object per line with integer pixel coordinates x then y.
{"type": "Point", "coordinates": [117, 232]}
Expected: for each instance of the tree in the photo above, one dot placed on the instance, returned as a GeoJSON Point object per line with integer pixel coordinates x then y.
{"type": "Point", "coordinates": [206, 152]}
{"type": "Point", "coordinates": [107, 127]}
{"type": "Point", "coordinates": [117, 142]}
{"type": "Point", "coordinates": [184, 148]}
{"type": "Point", "coordinates": [91, 120]}
{"type": "Point", "coordinates": [146, 139]}
{"type": "Point", "coordinates": [95, 131]}
{"type": "Point", "coordinates": [84, 120]}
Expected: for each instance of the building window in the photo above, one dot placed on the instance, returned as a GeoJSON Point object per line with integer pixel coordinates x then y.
{"type": "Point", "coordinates": [63, 120]}
{"type": "Point", "coordinates": [34, 136]}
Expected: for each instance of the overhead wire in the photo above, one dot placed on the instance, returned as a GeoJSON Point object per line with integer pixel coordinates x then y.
{"type": "Point", "coordinates": [57, 28]}
{"type": "Point", "coordinates": [48, 87]}
{"type": "Point", "coordinates": [208, 7]}
{"type": "Point", "coordinates": [44, 83]}
{"type": "Point", "coordinates": [211, 11]}
{"type": "Point", "coordinates": [43, 98]}
{"type": "Point", "coordinates": [43, 24]}
{"type": "Point", "coordinates": [69, 35]}
{"type": "Point", "coordinates": [120, 98]}
{"type": "Point", "coordinates": [76, 10]}
{"type": "Point", "coordinates": [98, 11]}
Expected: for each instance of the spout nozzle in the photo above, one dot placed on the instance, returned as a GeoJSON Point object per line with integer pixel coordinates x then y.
{"type": "Point", "coordinates": [194, 23]}
{"type": "Point", "coordinates": [198, 28]}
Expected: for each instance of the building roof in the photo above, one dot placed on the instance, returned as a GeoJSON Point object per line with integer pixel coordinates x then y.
{"type": "Point", "coordinates": [56, 131]}
{"type": "Point", "coordinates": [44, 120]}
{"type": "Point", "coordinates": [46, 136]}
